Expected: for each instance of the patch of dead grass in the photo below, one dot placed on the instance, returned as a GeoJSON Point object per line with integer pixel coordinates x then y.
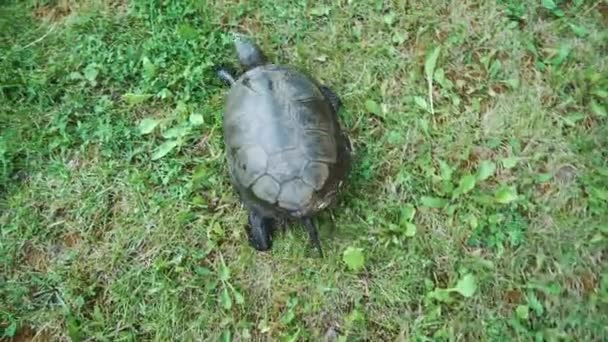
{"type": "Point", "coordinates": [36, 257]}
{"type": "Point", "coordinates": [60, 10]}
{"type": "Point", "coordinates": [29, 334]}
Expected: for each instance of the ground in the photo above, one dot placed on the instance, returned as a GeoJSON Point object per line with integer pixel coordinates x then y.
{"type": "Point", "coordinates": [476, 208]}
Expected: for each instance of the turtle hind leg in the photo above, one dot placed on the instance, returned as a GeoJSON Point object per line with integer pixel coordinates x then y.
{"type": "Point", "coordinates": [259, 232]}
{"type": "Point", "coordinates": [332, 97]}
{"type": "Point", "coordinates": [313, 234]}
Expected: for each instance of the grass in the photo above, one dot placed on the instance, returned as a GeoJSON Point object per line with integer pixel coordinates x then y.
{"type": "Point", "coordinates": [481, 217]}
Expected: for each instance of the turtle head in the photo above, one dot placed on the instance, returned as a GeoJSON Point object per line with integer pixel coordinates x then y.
{"type": "Point", "coordinates": [250, 55]}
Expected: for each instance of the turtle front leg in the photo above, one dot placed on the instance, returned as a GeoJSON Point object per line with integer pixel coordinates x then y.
{"type": "Point", "coordinates": [332, 97]}
{"type": "Point", "coordinates": [225, 74]}
{"type": "Point", "coordinates": [313, 234]}
{"type": "Point", "coordinates": [259, 232]}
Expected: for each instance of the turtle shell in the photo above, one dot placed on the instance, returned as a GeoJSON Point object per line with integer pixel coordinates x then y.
{"type": "Point", "coordinates": [286, 153]}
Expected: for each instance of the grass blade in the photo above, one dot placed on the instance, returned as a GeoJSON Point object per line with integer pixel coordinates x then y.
{"type": "Point", "coordinates": [429, 69]}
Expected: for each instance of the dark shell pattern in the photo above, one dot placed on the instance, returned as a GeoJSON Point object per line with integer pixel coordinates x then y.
{"type": "Point", "coordinates": [281, 135]}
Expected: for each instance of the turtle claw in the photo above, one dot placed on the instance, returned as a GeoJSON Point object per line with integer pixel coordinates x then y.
{"type": "Point", "coordinates": [259, 232]}
{"type": "Point", "coordinates": [313, 235]}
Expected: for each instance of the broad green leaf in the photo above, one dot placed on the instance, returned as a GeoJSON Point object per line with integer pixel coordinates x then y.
{"type": "Point", "coordinates": [421, 102]}
{"type": "Point", "coordinates": [466, 184]}
{"type": "Point", "coordinates": [441, 295]}
{"type": "Point", "coordinates": [572, 118]}
{"type": "Point", "coordinates": [424, 125]}
{"type": "Point", "coordinates": [321, 58]}
{"type": "Point", "coordinates": [473, 221]}
{"type": "Point", "coordinates": [176, 132]}
{"type": "Point", "coordinates": [200, 174]}
{"type": "Point", "coordinates": [549, 4]}
{"type": "Point", "coordinates": [164, 94]}
{"type": "Point", "coordinates": [389, 19]}
{"type": "Point", "coordinates": [486, 170]}
{"type": "Point", "coordinates": [544, 177]}
{"type": "Point", "coordinates": [466, 286]}
{"type": "Point", "coordinates": [394, 137]}
{"type": "Point", "coordinates": [562, 54]}
{"type": "Point", "coordinates": [410, 229]}
{"type": "Point", "coordinates": [399, 38]}
{"type": "Point", "coordinates": [75, 75]}
{"type": "Point", "coordinates": [439, 76]}
{"type": "Point", "coordinates": [446, 170]}
{"type": "Point", "coordinates": [226, 300]}
{"type": "Point", "coordinates": [196, 119]}
{"type": "Point", "coordinates": [431, 62]}
{"type": "Point", "coordinates": [226, 335]}
{"type": "Point", "coordinates": [513, 83]}
{"type": "Point", "coordinates": [288, 317]}
{"type": "Point", "coordinates": [506, 194]}
{"type": "Point", "coordinates": [355, 316]}
{"type": "Point", "coordinates": [407, 213]}
{"type": "Point", "coordinates": [373, 107]}
{"type": "Point", "coordinates": [11, 329]}
{"type": "Point", "coordinates": [135, 99]}
{"type": "Point", "coordinates": [187, 32]}
{"type": "Point", "coordinates": [354, 259]}
{"type": "Point", "coordinates": [433, 202]}
{"type": "Point", "coordinates": [91, 72]}
{"type": "Point", "coordinates": [320, 11]}
{"type": "Point", "coordinates": [164, 149]}
{"type": "Point", "coordinates": [149, 67]}
{"type": "Point", "coordinates": [74, 330]}
{"type": "Point", "coordinates": [580, 31]}
{"type": "Point", "coordinates": [602, 171]}
{"type": "Point", "coordinates": [238, 297]}
{"type": "Point", "coordinates": [97, 314]}
{"type": "Point", "coordinates": [181, 108]}
{"type": "Point", "coordinates": [224, 273]}
{"type": "Point", "coordinates": [484, 199]}
{"type": "Point", "coordinates": [495, 68]}
{"type": "Point", "coordinates": [496, 218]}
{"type": "Point", "coordinates": [198, 200]}
{"type": "Point", "coordinates": [202, 271]}
{"type": "Point", "coordinates": [598, 193]}
{"type": "Point", "coordinates": [294, 337]}
{"type": "Point", "coordinates": [522, 312]}
{"type": "Point", "coordinates": [509, 163]}
{"type": "Point", "coordinates": [603, 93]}
{"type": "Point", "coordinates": [598, 109]}
{"type": "Point", "coordinates": [535, 304]}
{"type": "Point", "coordinates": [147, 125]}
{"type": "Point", "coordinates": [597, 238]}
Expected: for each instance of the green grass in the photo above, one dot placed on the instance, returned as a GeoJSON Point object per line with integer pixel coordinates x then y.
{"type": "Point", "coordinates": [481, 218]}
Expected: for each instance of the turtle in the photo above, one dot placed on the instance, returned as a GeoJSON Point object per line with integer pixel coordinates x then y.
{"type": "Point", "coordinates": [287, 155]}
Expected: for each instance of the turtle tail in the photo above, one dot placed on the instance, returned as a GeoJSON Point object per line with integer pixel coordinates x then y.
{"type": "Point", "coordinates": [313, 234]}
